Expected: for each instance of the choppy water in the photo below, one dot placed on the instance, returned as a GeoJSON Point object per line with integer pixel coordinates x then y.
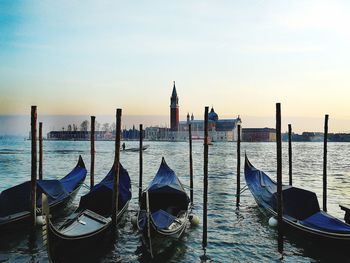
{"type": "Point", "coordinates": [233, 236]}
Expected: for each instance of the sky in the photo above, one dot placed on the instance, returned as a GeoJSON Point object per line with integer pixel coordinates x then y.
{"type": "Point", "coordinates": [89, 58]}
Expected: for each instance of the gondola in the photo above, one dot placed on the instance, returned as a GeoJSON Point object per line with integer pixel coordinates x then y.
{"type": "Point", "coordinates": [164, 210]}
{"type": "Point", "coordinates": [136, 149]}
{"type": "Point", "coordinates": [92, 220]}
{"type": "Point", "coordinates": [301, 210]}
{"type": "Point", "coordinates": [15, 202]}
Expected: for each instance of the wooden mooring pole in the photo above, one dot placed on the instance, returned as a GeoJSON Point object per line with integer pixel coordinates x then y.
{"type": "Point", "coordinates": [205, 180]}
{"type": "Point", "coordinates": [116, 169]}
{"type": "Point", "coordinates": [279, 178]}
{"type": "Point", "coordinates": [290, 154]}
{"type": "Point", "coordinates": [238, 193]}
{"type": "Point", "coordinates": [140, 163]}
{"type": "Point", "coordinates": [191, 162]}
{"type": "Point", "coordinates": [325, 163]}
{"type": "Point", "coordinates": [92, 152]}
{"type": "Point", "coordinates": [40, 150]}
{"type": "Point", "coordinates": [34, 163]}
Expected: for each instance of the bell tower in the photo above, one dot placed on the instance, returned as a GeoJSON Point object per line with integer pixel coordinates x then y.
{"type": "Point", "coordinates": [174, 110]}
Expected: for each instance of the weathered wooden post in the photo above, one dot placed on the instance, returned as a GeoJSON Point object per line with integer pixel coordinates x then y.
{"type": "Point", "coordinates": [40, 150]}
{"type": "Point", "coordinates": [238, 193]}
{"type": "Point", "coordinates": [290, 154]}
{"type": "Point", "coordinates": [279, 178]}
{"type": "Point", "coordinates": [141, 163]}
{"type": "Point", "coordinates": [191, 162]}
{"type": "Point", "coordinates": [34, 163]}
{"type": "Point", "coordinates": [325, 163]}
{"type": "Point", "coordinates": [92, 152]}
{"type": "Point", "coordinates": [205, 180]}
{"type": "Point", "coordinates": [116, 169]}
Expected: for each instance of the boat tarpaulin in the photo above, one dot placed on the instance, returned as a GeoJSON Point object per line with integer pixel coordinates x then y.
{"type": "Point", "coordinates": [325, 222]}
{"type": "Point", "coordinates": [99, 199]}
{"type": "Point", "coordinates": [166, 181]}
{"type": "Point", "coordinates": [70, 182]}
{"type": "Point", "coordinates": [297, 203]}
{"type": "Point", "coordinates": [162, 219]}
{"type": "Point", "coordinates": [18, 198]}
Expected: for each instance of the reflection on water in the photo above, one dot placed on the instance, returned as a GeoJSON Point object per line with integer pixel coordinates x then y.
{"type": "Point", "coordinates": [233, 235]}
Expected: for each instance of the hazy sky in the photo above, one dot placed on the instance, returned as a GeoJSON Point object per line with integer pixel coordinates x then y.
{"type": "Point", "coordinates": [90, 57]}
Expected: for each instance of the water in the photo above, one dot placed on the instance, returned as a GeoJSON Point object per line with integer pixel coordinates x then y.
{"type": "Point", "coordinates": [233, 236]}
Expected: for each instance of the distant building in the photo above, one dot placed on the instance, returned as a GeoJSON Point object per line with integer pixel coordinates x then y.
{"type": "Point", "coordinates": [258, 135]}
{"type": "Point", "coordinates": [219, 129]}
{"type": "Point", "coordinates": [74, 135]}
{"type": "Point", "coordinates": [174, 110]}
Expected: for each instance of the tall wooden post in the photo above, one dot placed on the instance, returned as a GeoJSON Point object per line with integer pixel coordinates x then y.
{"type": "Point", "coordinates": [40, 150]}
{"type": "Point", "coordinates": [238, 193]}
{"type": "Point", "coordinates": [141, 163]}
{"type": "Point", "coordinates": [92, 152]}
{"type": "Point", "coordinates": [205, 180]}
{"type": "Point", "coordinates": [290, 154]}
{"type": "Point", "coordinates": [191, 162]}
{"type": "Point", "coordinates": [325, 163]}
{"type": "Point", "coordinates": [34, 163]}
{"type": "Point", "coordinates": [116, 169]}
{"type": "Point", "coordinates": [279, 178]}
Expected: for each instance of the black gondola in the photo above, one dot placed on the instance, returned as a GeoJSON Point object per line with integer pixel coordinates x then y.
{"type": "Point", "coordinates": [164, 211]}
{"type": "Point", "coordinates": [301, 211]}
{"type": "Point", "coordinates": [136, 149]}
{"type": "Point", "coordinates": [90, 223]}
{"type": "Point", "coordinates": [15, 202]}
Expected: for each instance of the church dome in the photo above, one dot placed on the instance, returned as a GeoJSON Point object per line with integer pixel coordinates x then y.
{"type": "Point", "coordinates": [212, 115]}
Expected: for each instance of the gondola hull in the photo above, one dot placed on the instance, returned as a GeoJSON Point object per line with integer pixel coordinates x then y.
{"type": "Point", "coordinates": [164, 211]}
{"type": "Point", "coordinates": [298, 227]}
{"type": "Point", "coordinates": [90, 225]}
{"type": "Point", "coordinates": [160, 239]}
{"type": "Point", "coordinates": [23, 219]}
{"type": "Point", "coordinates": [93, 231]}
{"type": "Point", "coordinates": [62, 192]}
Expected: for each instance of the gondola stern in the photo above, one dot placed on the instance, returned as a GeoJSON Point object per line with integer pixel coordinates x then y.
{"type": "Point", "coordinates": [81, 162]}
{"type": "Point", "coordinates": [247, 163]}
{"type": "Point", "coordinates": [163, 162]}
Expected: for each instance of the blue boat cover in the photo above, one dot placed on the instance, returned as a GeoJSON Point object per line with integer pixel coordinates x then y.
{"type": "Point", "coordinates": [167, 198]}
{"type": "Point", "coordinates": [162, 219]}
{"type": "Point", "coordinates": [325, 222]}
{"type": "Point", "coordinates": [298, 203]}
{"type": "Point", "coordinates": [166, 181]}
{"type": "Point", "coordinates": [18, 198]}
{"type": "Point", "coordinates": [99, 199]}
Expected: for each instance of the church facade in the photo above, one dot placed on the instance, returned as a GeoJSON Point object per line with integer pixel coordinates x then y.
{"type": "Point", "coordinates": [218, 129]}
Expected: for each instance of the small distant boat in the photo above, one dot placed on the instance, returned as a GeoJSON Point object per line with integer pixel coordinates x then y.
{"type": "Point", "coordinates": [301, 211]}
{"type": "Point", "coordinates": [92, 220]}
{"type": "Point", "coordinates": [136, 149]}
{"type": "Point", "coordinates": [164, 210]}
{"type": "Point", "coordinates": [15, 202]}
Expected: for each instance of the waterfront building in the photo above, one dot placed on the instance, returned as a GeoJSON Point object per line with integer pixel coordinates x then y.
{"type": "Point", "coordinates": [218, 129]}
{"type": "Point", "coordinates": [258, 135]}
{"type": "Point", "coordinates": [75, 135]}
